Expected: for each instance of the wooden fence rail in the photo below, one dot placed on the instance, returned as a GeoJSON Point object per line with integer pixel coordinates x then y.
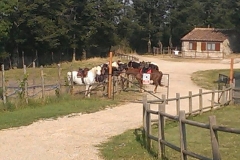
{"type": "Point", "coordinates": [182, 121]}
{"type": "Point", "coordinates": [12, 90]}
{"type": "Point", "coordinates": [126, 57]}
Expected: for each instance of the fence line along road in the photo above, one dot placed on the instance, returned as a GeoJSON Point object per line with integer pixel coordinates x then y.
{"type": "Point", "coordinates": [182, 121]}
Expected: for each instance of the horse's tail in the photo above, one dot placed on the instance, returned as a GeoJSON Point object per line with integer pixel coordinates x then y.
{"type": "Point", "coordinates": [160, 79]}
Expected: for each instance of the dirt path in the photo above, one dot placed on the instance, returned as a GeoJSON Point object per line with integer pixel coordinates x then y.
{"type": "Point", "coordinates": [75, 138]}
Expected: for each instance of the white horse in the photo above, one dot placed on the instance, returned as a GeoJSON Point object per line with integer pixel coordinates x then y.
{"type": "Point", "coordinates": [88, 80]}
{"type": "Point", "coordinates": [114, 64]}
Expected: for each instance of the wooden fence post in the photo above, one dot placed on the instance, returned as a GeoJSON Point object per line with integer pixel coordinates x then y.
{"type": "Point", "coordinates": [164, 106]}
{"type": "Point", "coordinates": [214, 138]}
{"type": "Point", "coordinates": [161, 125]}
{"type": "Point", "coordinates": [34, 65]}
{"type": "Point", "coordinates": [23, 63]}
{"type": "Point", "coordinates": [144, 110]}
{"type": "Point", "coordinates": [25, 83]}
{"type": "Point", "coordinates": [231, 92]}
{"type": "Point", "coordinates": [33, 87]}
{"type": "Point", "coordinates": [178, 103]}
{"type": "Point", "coordinates": [183, 139]}
{"type": "Point", "coordinates": [231, 70]}
{"type": "Point", "coordinates": [3, 85]}
{"type": "Point", "coordinates": [190, 102]}
{"type": "Point", "coordinates": [144, 117]}
{"type": "Point", "coordinates": [43, 87]}
{"type": "Point", "coordinates": [115, 85]}
{"type": "Point", "coordinates": [148, 127]}
{"type": "Point", "coordinates": [200, 101]}
{"type": "Point", "coordinates": [223, 100]}
{"type": "Point", "coordinates": [110, 76]}
{"type": "Point", "coordinates": [71, 87]}
{"type": "Point", "coordinates": [59, 77]}
{"type": "Point", "coordinates": [213, 99]}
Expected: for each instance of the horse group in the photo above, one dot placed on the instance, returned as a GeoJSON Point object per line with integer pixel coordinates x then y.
{"type": "Point", "coordinates": [100, 73]}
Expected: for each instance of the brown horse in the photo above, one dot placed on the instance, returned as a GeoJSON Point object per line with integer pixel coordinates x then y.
{"type": "Point", "coordinates": [155, 76]}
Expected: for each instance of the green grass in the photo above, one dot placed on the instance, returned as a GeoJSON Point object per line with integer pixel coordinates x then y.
{"type": "Point", "coordinates": [17, 113]}
{"type": "Point", "coordinates": [53, 108]}
{"type": "Point", "coordinates": [51, 71]}
{"type": "Point", "coordinates": [130, 144]}
{"type": "Point", "coordinates": [206, 78]}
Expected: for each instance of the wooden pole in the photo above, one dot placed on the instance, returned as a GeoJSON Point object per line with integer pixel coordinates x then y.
{"type": "Point", "coordinates": [190, 102]}
{"type": "Point", "coordinates": [71, 87]}
{"type": "Point", "coordinates": [59, 76]}
{"type": "Point", "coordinates": [177, 103]}
{"type": "Point", "coordinates": [183, 139]}
{"type": "Point", "coordinates": [214, 138]}
{"type": "Point", "coordinates": [200, 101]}
{"type": "Point", "coordinates": [231, 71]}
{"type": "Point", "coordinates": [25, 83]}
{"type": "Point", "coordinates": [34, 65]}
{"type": "Point", "coordinates": [23, 63]}
{"type": "Point", "coordinates": [110, 76]}
{"type": "Point", "coordinates": [3, 85]}
{"type": "Point", "coordinates": [43, 87]}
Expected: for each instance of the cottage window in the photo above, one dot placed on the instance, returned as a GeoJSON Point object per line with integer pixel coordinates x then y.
{"type": "Point", "coordinates": [211, 46]}
{"type": "Point", "coordinates": [192, 45]}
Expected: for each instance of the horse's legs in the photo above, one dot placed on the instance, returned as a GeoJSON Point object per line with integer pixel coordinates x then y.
{"type": "Point", "coordinates": [139, 79]}
{"type": "Point", "coordinates": [89, 90]}
{"type": "Point", "coordinates": [141, 85]}
{"type": "Point", "coordinates": [127, 80]}
{"type": "Point", "coordinates": [155, 89]}
{"type": "Point", "coordinates": [156, 83]}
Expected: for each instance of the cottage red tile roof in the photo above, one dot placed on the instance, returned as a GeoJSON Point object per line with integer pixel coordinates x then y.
{"type": "Point", "coordinates": [207, 34]}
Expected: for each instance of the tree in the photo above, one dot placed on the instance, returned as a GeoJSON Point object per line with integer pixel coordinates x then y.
{"type": "Point", "coordinates": [7, 7]}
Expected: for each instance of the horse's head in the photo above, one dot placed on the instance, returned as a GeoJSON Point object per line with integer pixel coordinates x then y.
{"type": "Point", "coordinates": [129, 64]}
{"type": "Point", "coordinates": [123, 66]}
{"type": "Point", "coordinates": [144, 64]}
{"type": "Point", "coordinates": [98, 70]}
{"type": "Point", "coordinates": [104, 70]}
{"type": "Point", "coordinates": [115, 64]}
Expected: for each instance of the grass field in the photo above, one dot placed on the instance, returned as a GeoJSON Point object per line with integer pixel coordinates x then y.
{"type": "Point", "coordinates": [55, 107]}
{"type": "Point", "coordinates": [17, 113]}
{"type": "Point", "coordinates": [130, 144]}
{"type": "Point", "coordinates": [51, 71]}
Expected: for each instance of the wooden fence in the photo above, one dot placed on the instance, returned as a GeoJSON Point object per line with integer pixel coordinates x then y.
{"type": "Point", "coordinates": [23, 88]}
{"type": "Point", "coordinates": [37, 87]}
{"type": "Point", "coordinates": [126, 57]}
{"type": "Point", "coordinates": [30, 88]}
{"type": "Point", "coordinates": [182, 121]}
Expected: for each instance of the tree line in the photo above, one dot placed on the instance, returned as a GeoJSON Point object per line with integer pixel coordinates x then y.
{"type": "Point", "coordinates": [67, 29]}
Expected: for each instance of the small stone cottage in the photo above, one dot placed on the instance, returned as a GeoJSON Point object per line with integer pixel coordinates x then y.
{"type": "Point", "coordinates": [210, 43]}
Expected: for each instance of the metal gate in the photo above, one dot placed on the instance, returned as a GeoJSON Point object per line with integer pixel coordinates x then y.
{"type": "Point", "coordinates": [236, 90]}
{"type": "Point", "coordinates": [223, 80]}
{"type": "Point", "coordinates": [148, 87]}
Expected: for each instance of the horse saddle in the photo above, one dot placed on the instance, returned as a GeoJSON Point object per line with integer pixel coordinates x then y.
{"type": "Point", "coordinates": [146, 70]}
{"type": "Point", "coordinates": [82, 73]}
